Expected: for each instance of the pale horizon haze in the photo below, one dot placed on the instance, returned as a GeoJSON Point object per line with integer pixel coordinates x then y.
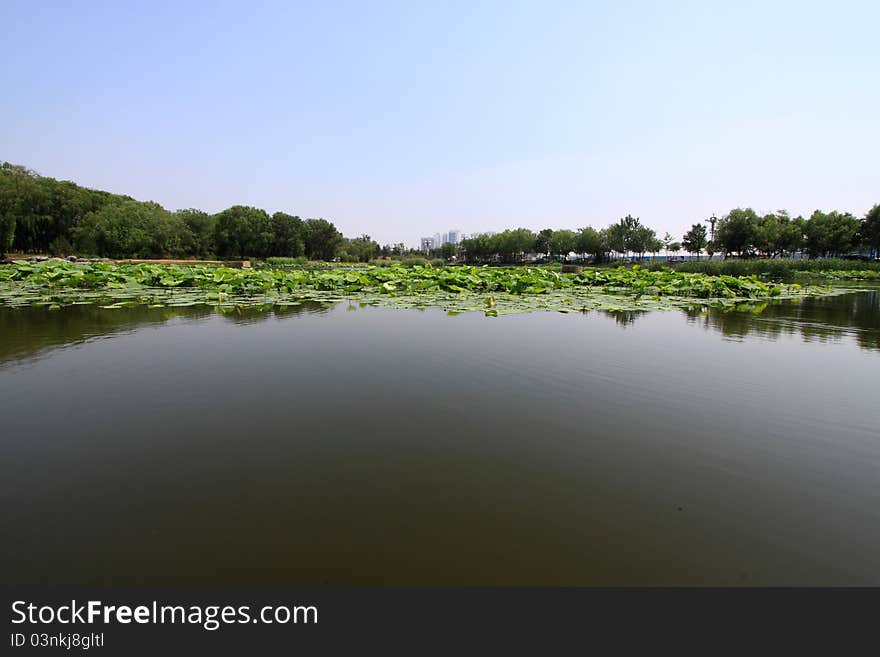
{"type": "Point", "coordinates": [404, 119]}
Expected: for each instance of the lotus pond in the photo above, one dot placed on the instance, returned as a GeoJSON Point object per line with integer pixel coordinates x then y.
{"type": "Point", "coordinates": [494, 291]}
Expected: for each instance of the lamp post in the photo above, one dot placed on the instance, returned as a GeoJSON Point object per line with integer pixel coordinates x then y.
{"type": "Point", "coordinates": [711, 221]}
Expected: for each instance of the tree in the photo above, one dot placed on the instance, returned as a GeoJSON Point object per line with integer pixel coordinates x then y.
{"type": "Point", "coordinates": [667, 240]}
{"type": "Point", "coordinates": [736, 232]}
{"type": "Point", "coordinates": [7, 232]}
{"type": "Point", "coordinates": [870, 230]}
{"type": "Point", "coordinates": [542, 241]}
{"type": "Point", "coordinates": [476, 248]}
{"type": "Point", "coordinates": [7, 213]}
{"type": "Point", "coordinates": [616, 238]}
{"type": "Point", "coordinates": [834, 233]}
{"type": "Point", "coordinates": [675, 247]}
{"type": "Point", "coordinates": [198, 240]}
{"type": "Point", "coordinates": [694, 241]}
{"type": "Point", "coordinates": [44, 211]}
{"type": "Point", "coordinates": [447, 251]}
{"type": "Point", "coordinates": [641, 240]}
{"type": "Point", "coordinates": [791, 234]}
{"type": "Point", "coordinates": [130, 229]}
{"type": "Point", "coordinates": [628, 234]}
{"type": "Point", "coordinates": [562, 242]}
{"type": "Point", "coordinates": [777, 233]}
{"type": "Point", "coordinates": [633, 237]}
{"type": "Point", "coordinates": [322, 240]}
{"type": "Point", "coordinates": [359, 249]}
{"type": "Point", "coordinates": [288, 233]}
{"type": "Point", "coordinates": [590, 242]}
{"type": "Point", "coordinates": [243, 231]}
{"type": "Point", "coordinates": [510, 245]}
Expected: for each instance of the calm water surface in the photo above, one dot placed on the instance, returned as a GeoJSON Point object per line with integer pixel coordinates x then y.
{"type": "Point", "coordinates": [364, 446]}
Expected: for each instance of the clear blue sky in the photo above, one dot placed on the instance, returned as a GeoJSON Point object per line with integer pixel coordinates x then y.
{"type": "Point", "coordinates": [406, 118]}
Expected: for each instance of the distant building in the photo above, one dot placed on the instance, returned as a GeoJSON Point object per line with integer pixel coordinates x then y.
{"type": "Point", "coordinates": [428, 244]}
{"type": "Point", "coordinates": [454, 236]}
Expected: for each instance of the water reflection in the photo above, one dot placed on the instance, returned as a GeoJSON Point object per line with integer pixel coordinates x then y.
{"type": "Point", "coordinates": [624, 318]}
{"type": "Point", "coordinates": [29, 333]}
{"type": "Point", "coordinates": [386, 447]}
{"type": "Point", "coordinates": [254, 314]}
{"type": "Point", "coordinates": [814, 319]}
{"type": "Point", "coordinates": [32, 332]}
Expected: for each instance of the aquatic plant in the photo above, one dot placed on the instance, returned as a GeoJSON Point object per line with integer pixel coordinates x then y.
{"type": "Point", "coordinates": [493, 290]}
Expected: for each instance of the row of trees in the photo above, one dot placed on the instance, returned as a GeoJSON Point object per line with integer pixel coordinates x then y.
{"type": "Point", "coordinates": [44, 215]}
{"type": "Point", "coordinates": [741, 232]}
{"type": "Point", "coordinates": [628, 235]}
{"type": "Point", "coordinates": [746, 233]}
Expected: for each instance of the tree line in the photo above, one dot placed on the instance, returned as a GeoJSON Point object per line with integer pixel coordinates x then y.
{"type": "Point", "coordinates": [39, 214]}
{"type": "Point", "coordinates": [741, 232]}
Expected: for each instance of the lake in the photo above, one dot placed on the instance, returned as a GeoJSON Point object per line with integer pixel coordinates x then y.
{"type": "Point", "coordinates": [369, 446]}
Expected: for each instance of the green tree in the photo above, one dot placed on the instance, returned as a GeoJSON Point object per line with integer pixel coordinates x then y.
{"type": "Point", "coordinates": [791, 234]}
{"type": "Point", "coordinates": [641, 240]}
{"type": "Point", "coordinates": [477, 248]}
{"type": "Point", "coordinates": [632, 236]}
{"type": "Point", "coordinates": [735, 232]}
{"type": "Point", "coordinates": [447, 251]}
{"type": "Point", "coordinates": [359, 249]}
{"type": "Point", "coordinates": [288, 236]}
{"type": "Point", "coordinates": [590, 242]}
{"type": "Point", "coordinates": [542, 241]}
{"type": "Point", "coordinates": [199, 232]}
{"type": "Point", "coordinates": [695, 240]}
{"type": "Point", "coordinates": [243, 231]}
{"type": "Point", "coordinates": [323, 241]}
{"type": "Point", "coordinates": [711, 249]}
{"type": "Point", "coordinates": [129, 229]}
{"type": "Point", "coordinates": [832, 233]}
{"type": "Point", "coordinates": [7, 232]}
{"type": "Point", "coordinates": [8, 214]}
{"type": "Point", "coordinates": [778, 233]}
{"type": "Point", "coordinates": [616, 238]}
{"type": "Point", "coordinates": [510, 245]}
{"type": "Point", "coordinates": [562, 242]}
{"type": "Point", "coordinates": [870, 230]}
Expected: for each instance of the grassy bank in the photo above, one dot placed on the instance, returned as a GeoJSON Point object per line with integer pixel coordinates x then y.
{"type": "Point", "coordinates": [778, 269]}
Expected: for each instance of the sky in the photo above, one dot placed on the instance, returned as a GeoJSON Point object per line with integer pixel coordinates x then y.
{"type": "Point", "coordinates": [404, 119]}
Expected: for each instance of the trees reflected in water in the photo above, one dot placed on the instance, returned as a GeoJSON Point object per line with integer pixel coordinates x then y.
{"type": "Point", "coordinates": [28, 333]}
{"type": "Point", "coordinates": [624, 318]}
{"type": "Point", "coordinates": [814, 319]}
